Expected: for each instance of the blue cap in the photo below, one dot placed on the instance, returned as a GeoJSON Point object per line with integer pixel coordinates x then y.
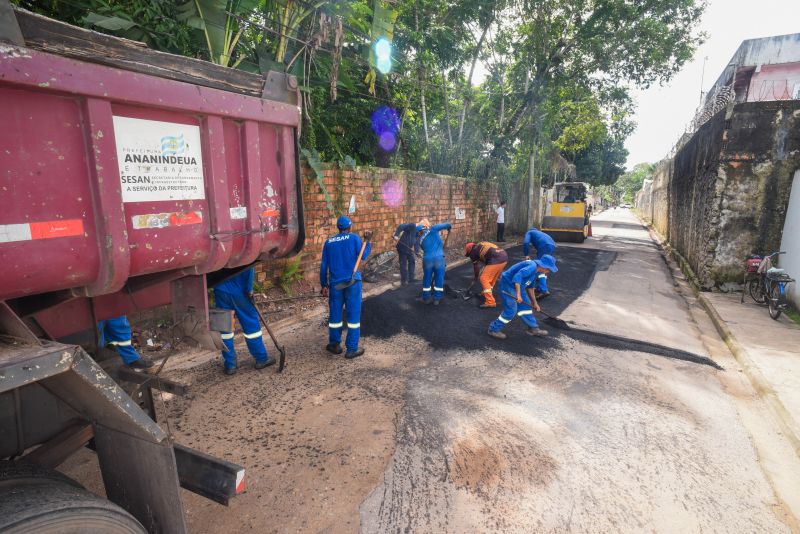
{"type": "Point", "coordinates": [420, 227]}
{"type": "Point", "coordinates": [548, 262]}
{"type": "Point", "coordinates": [343, 223]}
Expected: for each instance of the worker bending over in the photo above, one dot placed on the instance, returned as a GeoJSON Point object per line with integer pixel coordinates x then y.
{"type": "Point", "coordinates": [236, 293]}
{"type": "Point", "coordinates": [494, 260]}
{"type": "Point", "coordinates": [407, 250]}
{"type": "Point", "coordinates": [339, 256]}
{"type": "Point", "coordinates": [518, 302]}
{"type": "Point", "coordinates": [117, 333]}
{"type": "Point", "coordinates": [433, 263]}
{"type": "Point", "coordinates": [544, 245]}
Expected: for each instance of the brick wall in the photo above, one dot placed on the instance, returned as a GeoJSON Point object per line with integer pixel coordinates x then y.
{"type": "Point", "coordinates": [381, 207]}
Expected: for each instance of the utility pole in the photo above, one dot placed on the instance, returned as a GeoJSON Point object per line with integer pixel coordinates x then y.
{"type": "Point", "coordinates": [702, 79]}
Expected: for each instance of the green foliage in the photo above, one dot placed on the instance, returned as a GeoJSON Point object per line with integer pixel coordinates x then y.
{"type": "Point", "coordinates": [558, 78]}
{"type": "Point", "coordinates": [291, 274]}
{"type": "Point", "coordinates": [311, 157]}
{"type": "Point", "coordinates": [631, 182]}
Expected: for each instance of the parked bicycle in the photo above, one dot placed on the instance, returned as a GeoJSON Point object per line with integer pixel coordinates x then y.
{"type": "Point", "coordinates": [766, 284]}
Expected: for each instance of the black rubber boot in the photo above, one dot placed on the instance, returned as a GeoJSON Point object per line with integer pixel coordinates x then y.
{"type": "Point", "coordinates": [141, 365]}
{"type": "Point", "coordinates": [333, 349]}
{"type": "Point", "coordinates": [356, 354]}
{"type": "Point", "coordinates": [230, 371]}
{"type": "Point", "coordinates": [267, 363]}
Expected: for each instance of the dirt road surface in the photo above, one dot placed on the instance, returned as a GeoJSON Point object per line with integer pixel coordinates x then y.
{"type": "Point", "coordinates": [440, 428]}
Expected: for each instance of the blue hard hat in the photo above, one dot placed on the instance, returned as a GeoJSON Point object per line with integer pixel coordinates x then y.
{"type": "Point", "coordinates": [343, 223]}
{"type": "Point", "coordinates": [420, 227]}
{"type": "Point", "coordinates": [548, 262]}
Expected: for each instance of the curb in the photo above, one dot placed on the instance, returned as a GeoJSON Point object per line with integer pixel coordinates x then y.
{"type": "Point", "coordinates": [787, 424]}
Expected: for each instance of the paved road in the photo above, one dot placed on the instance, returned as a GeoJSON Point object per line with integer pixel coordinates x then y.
{"type": "Point", "coordinates": [529, 435]}
{"type": "Point", "coordinates": [440, 428]}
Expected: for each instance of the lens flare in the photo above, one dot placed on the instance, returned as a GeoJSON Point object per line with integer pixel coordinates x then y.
{"type": "Point", "coordinates": [383, 55]}
{"type": "Point", "coordinates": [392, 193]}
{"type": "Point", "coordinates": [386, 125]}
{"type": "Point", "coordinates": [387, 141]}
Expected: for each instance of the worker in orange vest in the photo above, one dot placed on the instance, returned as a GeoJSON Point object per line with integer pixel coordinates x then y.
{"type": "Point", "coordinates": [494, 259]}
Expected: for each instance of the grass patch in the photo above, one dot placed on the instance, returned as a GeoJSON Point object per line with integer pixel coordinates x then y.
{"type": "Point", "coordinates": [792, 314]}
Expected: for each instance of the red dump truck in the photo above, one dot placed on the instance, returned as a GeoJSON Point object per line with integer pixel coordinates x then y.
{"type": "Point", "coordinates": [129, 179]}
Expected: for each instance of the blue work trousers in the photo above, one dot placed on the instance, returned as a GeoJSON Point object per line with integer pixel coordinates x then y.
{"type": "Point", "coordinates": [433, 278]}
{"type": "Point", "coordinates": [338, 299]}
{"type": "Point", "coordinates": [511, 308]}
{"type": "Point", "coordinates": [251, 326]}
{"type": "Point", "coordinates": [117, 333]}
{"type": "Point", "coordinates": [541, 278]}
{"type": "Point", "coordinates": [407, 265]}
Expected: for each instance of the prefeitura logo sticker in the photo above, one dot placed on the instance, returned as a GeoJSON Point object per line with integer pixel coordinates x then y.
{"type": "Point", "coordinates": [159, 160]}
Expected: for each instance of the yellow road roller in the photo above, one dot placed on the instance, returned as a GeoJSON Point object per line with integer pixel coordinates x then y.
{"type": "Point", "coordinates": [566, 217]}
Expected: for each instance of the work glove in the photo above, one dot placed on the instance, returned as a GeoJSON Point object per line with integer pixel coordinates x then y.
{"type": "Point", "coordinates": [527, 257]}
{"type": "Point", "coordinates": [368, 235]}
{"type": "Point", "coordinates": [324, 291]}
{"type": "Point", "coordinates": [396, 237]}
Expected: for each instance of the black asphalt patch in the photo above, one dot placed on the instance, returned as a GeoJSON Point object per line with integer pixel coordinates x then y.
{"type": "Point", "coordinates": [459, 324]}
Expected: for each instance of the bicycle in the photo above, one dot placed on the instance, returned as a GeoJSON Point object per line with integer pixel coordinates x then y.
{"type": "Point", "coordinates": [766, 284]}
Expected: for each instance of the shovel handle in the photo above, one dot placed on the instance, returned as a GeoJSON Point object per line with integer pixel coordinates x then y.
{"type": "Point", "coordinates": [281, 350]}
{"type": "Point", "coordinates": [360, 255]}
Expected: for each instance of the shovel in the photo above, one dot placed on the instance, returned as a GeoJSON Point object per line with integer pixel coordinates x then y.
{"type": "Point", "coordinates": [281, 350]}
{"type": "Point", "coordinates": [551, 320]}
{"type": "Point", "coordinates": [344, 285]}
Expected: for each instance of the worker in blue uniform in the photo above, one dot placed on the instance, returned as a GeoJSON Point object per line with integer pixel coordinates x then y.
{"type": "Point", "coordinates": [117, 333]}
{"type": "Point", "coordinates": [433, 263]}
{"type": "Point", "coordinates": [339, 256]}
{"type": "Point", "coordinates": [521, 276]}
{"type": "Point", "coordinates": [544, 245]}
{"type": "Point", "coordinates": [407, 251]}
{"type": "Point", "coordinates": [236, 293]}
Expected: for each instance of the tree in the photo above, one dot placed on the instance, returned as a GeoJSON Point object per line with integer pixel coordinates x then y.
{"type": "Point", "coordinates": [631, 182]}
{"type": "Point", "coordinates": [603, 45]}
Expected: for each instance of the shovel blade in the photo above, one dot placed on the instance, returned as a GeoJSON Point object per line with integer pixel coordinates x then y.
{"type": "Point", "coordinates": [344, 285]}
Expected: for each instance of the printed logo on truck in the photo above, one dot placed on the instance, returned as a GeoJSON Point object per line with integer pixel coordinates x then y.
{"type": "Point", "coordinates": [172, 145]}
{"type": "Point", "coordinates": [159, 160]}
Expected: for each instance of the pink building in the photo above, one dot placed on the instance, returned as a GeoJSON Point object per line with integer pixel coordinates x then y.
{"type": "Point", "coordinates": [762, 70]}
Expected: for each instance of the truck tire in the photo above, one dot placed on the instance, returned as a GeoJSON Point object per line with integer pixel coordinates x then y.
{"type": "Point", "coordinates": [37, 500]}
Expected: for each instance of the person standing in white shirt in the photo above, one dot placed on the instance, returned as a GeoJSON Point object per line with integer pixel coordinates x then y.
{"type": "Point", "coordinates": [501, 221]}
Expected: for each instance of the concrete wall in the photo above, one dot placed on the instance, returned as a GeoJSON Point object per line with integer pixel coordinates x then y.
{"type": "Point", "coordinates": [790, 242]}
{"type": "Point", "coordinates": [725, 194]}
{"type": "Point", "coordinates": [386, 198]}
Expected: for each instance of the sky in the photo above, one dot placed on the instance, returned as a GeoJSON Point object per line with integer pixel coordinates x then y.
{"type": "Point", "coordinates": [663, 112]}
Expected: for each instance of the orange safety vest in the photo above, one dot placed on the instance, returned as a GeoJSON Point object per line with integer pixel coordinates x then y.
{"type": "Point", "coordinates": [486, 246]}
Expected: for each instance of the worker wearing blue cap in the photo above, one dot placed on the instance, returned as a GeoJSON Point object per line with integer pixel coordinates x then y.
{"type": "Point", "coordinates": [433, 264]}
{"type": "Point", "coordinates": [518, 302]}
{"type": "Point", "coordinates": [339, 256]}
{"type": "Point", "coordinates": [544, 245]}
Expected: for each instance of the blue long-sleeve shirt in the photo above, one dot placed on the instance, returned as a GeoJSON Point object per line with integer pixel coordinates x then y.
{"type": "Point", "coordinates": [339, 255]}
{"type": "Point", "coordinates": [523, 273]}
{"type": "Point", "coordinates": [431, 241]}
{"type": "Point", "coordinates": [408, 241]}
{"type": "Point", "coordinates": [241, 284]}
{"type": "Point", "coordinates": [538, 239]}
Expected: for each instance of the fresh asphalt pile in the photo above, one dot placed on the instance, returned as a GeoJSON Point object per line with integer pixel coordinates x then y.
{"type": "Point", "coordinates": [460, 324]}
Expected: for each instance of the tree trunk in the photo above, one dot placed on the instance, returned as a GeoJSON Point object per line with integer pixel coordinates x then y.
{"type": "Point", "coordinates": [420, 78]}
{"type": "Point", "coordinates": [447, 109]}
{"type": "Point", "coordinates": [468, 85]}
